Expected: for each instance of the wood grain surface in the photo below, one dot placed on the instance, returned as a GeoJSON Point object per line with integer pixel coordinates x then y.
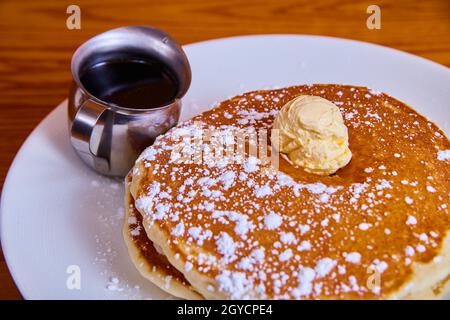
{"type": "Point", "coordinates": [36, 46]}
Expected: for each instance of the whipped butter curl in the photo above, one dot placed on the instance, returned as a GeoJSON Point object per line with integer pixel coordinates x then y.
{"type": "Point", "coordinates": [313, 135]}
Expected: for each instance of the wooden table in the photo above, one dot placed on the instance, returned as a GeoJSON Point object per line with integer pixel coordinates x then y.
{"type": "Point", "coordinates": [36, 46]}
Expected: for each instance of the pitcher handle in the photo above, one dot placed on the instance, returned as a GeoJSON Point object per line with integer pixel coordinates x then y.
{"type": "Point", "coordinates": [84, 122]}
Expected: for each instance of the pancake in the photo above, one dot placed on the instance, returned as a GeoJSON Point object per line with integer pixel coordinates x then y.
{"type": "Point", "coordinates": [147, 259]}
{"type": "Point", "coordinates": [378, 228]}
{"type": "Point", "coordinates": [152, 265]}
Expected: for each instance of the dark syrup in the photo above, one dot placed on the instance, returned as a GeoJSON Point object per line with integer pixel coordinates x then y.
{"type": "Point", "coordinates": [134, 84]}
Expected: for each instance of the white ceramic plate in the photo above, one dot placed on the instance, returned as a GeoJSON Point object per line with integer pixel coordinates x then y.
{"type": "Point", "coordinates": [57, 214]}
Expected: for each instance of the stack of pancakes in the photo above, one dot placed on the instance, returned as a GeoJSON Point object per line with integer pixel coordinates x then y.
{"type": "Point", "coordinates": [244, 229]}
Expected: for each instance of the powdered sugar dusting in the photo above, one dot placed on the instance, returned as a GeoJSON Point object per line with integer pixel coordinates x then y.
{"type": "Point", "coordinates": [443, 155]}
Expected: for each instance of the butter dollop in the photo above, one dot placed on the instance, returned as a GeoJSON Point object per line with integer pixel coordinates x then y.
{"type": "Point", "coordinates": [313, 135]}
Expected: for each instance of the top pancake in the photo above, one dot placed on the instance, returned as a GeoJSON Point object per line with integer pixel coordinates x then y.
{"type": "Point", "coordinates": [236, 230]}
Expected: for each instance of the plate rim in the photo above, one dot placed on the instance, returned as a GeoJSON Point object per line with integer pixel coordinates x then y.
{"type": "Point", "coordinates": [6, 183]}
{"type": "Point", "coordinates": [322, 37]}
